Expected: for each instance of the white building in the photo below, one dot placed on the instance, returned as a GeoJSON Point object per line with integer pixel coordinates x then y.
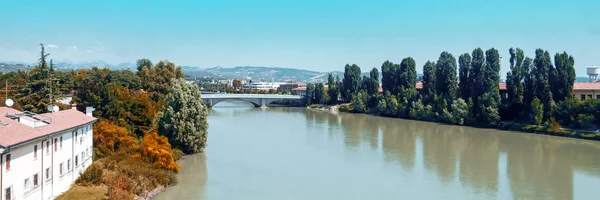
{"type": "Point", "coordinates": [260, 85]}
{"type": "Point", "coordinates": [41, 155]}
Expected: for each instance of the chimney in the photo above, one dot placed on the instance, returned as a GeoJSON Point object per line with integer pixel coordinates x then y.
{"type": "Point", "coordinates": [74, 106]}
{"type": "Point", "coordinates": [88, 111]}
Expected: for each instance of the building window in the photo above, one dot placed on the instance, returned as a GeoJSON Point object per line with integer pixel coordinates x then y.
{"type": "Point", "coordinates": [598, 96]}
{"type": "Point", "coordinates": [8, 193]}
{"type": "Point", "coordinates": [27, 185]}
{"type": "Point", "coordinates": [87, 152]}
{"type": "Point", "coordinates": [76, 161]}
{"type": "Point", "coordinates": [35, 151]}
{"type": "Point", "coordinates": [36, 183]}
{"type": "Point", "coordinates": [47, 173]}
{"type": "Point", "coordinates": [589, 96]}
{"type": "Point", "coordinates": [55, 144]}
{"type": "Point", "coordinates": [69, 165]}
{"type": "Point", "coordinates": [60, 141]}
{"type": "Point", "coordinates": [583, 97]}
{"type": "Point", "coordinates": [76, 136]}
{"type": "Point", "coordinates": [60, 168]}
{"type": "Point", "coordinates": [47, 146]}
{"type": "Point", "coordinates": [7, 161]}
{"type": "Point", "coordinates": [82, 156]}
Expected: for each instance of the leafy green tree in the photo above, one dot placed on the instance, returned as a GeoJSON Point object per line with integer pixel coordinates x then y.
{"type": "Point", "coordinates": [514, 83]}
{"type": "Point", "coordinates": [320, 96]}
{"type": "Point", "coordinates": [445, 77]}
{"type": "Point", "coordinates": [541, 84]}
{"type": "Point", "coordinates": [464, 63]}
{"type": "Point", "coordinates": [40, 87]}
{"type": "Point", "coordinates": [333, 90]}
{"type": "Point", "coordinates": [528, 89]}
{"type": "Point", "coordinates": [537, 111]}
{"type": "Point", "coordinates": [183, 119]}
{"type": "Point", "coordinates": [310, 94]}
{"type": "Point", "coordinates": [565, 77]}
{"type": "Point", "coordinates": [391, 105]}
{"type": "Point", "coordinates": [373, 87]}
{"type": "Point", "coordinates": [492, 76]}
{"type": "Point", "coordinates": [429, 91]}
{"type": "Point", "coordinates": [351, 82]}
{"type": "Point", "coordinates": [460, 111]}
{"type": "Point", "coordinates": [359, 102]}
{"type": "Point", "coordinates": [476, 75]}
{"type": "Point", "coordinates": [389, 80]}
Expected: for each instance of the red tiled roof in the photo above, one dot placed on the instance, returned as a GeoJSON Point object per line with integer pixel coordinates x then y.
{"type": "Point", "coordinates": [16, 132]}
{"type": "Point", "coordinates": [299, 89]}
{"type": "Point", "coordinates": [586, 86]}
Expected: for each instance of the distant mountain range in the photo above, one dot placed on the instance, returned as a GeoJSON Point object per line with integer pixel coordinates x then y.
{"type": "Point", "coordinates": [239, 72]}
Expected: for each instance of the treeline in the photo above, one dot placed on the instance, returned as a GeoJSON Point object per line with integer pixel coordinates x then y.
{"type": "Point", "coordinates": [467, 91]}
{"type": "Point", "coordinates": [147, 119]}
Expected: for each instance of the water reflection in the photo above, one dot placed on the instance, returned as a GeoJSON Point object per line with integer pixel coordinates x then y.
{"type": "Point", "coordinates": [192, 177]}
{"type": "Point", "coordinates": [538, 167]}
{"type": "Point", "coordinates": [294, 153]}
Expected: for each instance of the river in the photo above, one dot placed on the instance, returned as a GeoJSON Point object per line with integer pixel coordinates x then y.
{"type": "Point", "coordinates": [295, 153]}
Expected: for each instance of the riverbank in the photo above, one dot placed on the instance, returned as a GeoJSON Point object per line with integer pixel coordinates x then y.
{"type": "Point", "coordinates": [506, 125]}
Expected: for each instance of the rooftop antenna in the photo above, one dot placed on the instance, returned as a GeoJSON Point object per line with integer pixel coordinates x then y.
{"type": "Point", "coordinates": [8, 102]}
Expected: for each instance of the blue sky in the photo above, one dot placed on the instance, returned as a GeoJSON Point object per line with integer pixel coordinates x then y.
{"type": "Point", "coordinates": [309, 34]}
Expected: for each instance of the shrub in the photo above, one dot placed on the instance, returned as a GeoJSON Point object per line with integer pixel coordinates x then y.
{"type": "Point", "coordinates": [537, 110]}
{"type": "Point", "coordinates": [177, 154]}
{"type": "Point", "coordinates": [157, 150]}
{"type": "Point", "coordinates": [91, 176]}
{"type": "Point", "coordinates": [585, 121]}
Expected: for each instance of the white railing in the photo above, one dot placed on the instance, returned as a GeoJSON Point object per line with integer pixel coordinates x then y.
{"type": "Point", "coordinates": [263, 96]}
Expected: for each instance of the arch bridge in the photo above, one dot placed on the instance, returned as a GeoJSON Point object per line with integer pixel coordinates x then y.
{"type": "Point", "coordinates": [258, 100]}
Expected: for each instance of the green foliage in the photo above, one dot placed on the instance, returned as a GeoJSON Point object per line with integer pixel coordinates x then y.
{"type": "Point", "coordinates": [541, 83]}
{"type": "Point", "coordinates": [514, 84]}
{"type": "Point", "coordinates": [464, 84]}
{"type": "Point", "coordinates": [351, 82]}
{"type": "Point", "coordinates": [562, 82]}
{"type": "Point", "coordinates": [333, 91]}
{"type": "Point", "coordinates": [477, 75]}
{"type": "Point", "coordinates": [359, 102]}
{"type": "Point", "coordinates": [320, 96]}
{"type": "Point", "coordinates": [184, 119]}
{"type": "Point", "coordinates": [310, 94]}
{"type": "Point", "coordinates": [537, 109]}
{"type": "Point", "coordinates": [389, 80]}
{"type": "Point", "coordinates": [91, 176]}
{"type": "Point", "coordinates": [445, 78]}
{"type": "Point", "coordinates": [460, 110]}
{"type": "Point", "coordinates": [428, 91]}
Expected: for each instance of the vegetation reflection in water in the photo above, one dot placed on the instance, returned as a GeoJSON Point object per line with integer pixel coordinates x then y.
{"type": "Point", "coordinates": [380, 158]}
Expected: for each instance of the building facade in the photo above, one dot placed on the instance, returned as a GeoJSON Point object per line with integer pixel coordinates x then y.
{"type": "Point", "coordinates": [43, 154]}
{"type": "Point", "coordinates": [291, 85]}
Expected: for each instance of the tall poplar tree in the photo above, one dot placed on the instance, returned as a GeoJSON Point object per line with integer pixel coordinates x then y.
{"type": "Point", "coordinates": [445, 79]}
{"type": "Point", "coordinates": [565, 77]}
{"type": "Point", "coordinates": [464, 62]}
{"type": "Point", "coordinates": [541, 83]}
{"type": "Point", "coordinates": [428, 91]}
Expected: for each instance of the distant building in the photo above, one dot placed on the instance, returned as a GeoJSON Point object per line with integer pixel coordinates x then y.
{"type": "Point", "coordinates": [300, 91]}
{"type": "Point", "coordinates": [41, 155]}
{"type": "Point", "coordinates": [260, 85]}
{"type": "Point", "coordinates": [291, 85]}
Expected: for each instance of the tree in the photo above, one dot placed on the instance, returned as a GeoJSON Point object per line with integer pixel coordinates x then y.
{"type": "Point", "coordinates": [310, 94]}
{"type": "Point", "coordinates": [514, 82]}
{"type": "Point", "coordinates": [237, 84]}
{"type": "Point", "coordinates": [41, 86]}
{"type": "Point", "coordinates": [476, 75]}
{"type": "Point", "coordinates": [111, 139]}
{"type": "Point", "coordinates": [332, 92]}
{"type": "Point", "coordinates": [445, 78]}
{"type": "Point", "coordinates": [565, 77]}
{"type": "Point", "coordinates": [359, 101]}
{"type": "Point", "coordinates": [528, 90]}
{"type": "Point", "coordinates": [492, 76]}
{"type": "Point", "coordinates": [389, 77]}
{"type": "Point", "coordinates": [157, 150]}
{"type": "Point", "coordinates": [142, 63]}
{"type": "Point", "coordinates": [183, 119]}
{"type": "Point", "coordinates": [429, 91]}
{"type": "Point", "coordinates": [537, 111]}
{"type": "Point", "coordinates": [460, 110]}
{"type": "Point", "coordinates": [464, 62]}
{"type": "Point", "coordinates": [351, 82]}
{"type": "Point", "coordinates": [373, 84]}
{"type": "Point", "coordinates": [541, 84]}
{"type": "Point", "coordinates": [408, 74]}
{"type": "Point", "coordinates": [320, 96]}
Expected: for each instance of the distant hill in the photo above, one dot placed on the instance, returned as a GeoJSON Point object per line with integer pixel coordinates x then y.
{"type": "Point", "coordinates": [239, 72]}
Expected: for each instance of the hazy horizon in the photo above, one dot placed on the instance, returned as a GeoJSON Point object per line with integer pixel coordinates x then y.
{"type": "Point", "coordinates": [312, 35]}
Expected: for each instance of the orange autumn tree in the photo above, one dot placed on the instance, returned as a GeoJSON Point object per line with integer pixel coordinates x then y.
{"type": "Point", "coordinates": [110, 139]}
{"type": "Point", "coordinates": [157, 150]}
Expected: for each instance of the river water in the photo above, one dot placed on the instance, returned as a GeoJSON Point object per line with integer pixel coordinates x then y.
{"type": "Point", "coordinates": [295, 153]}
